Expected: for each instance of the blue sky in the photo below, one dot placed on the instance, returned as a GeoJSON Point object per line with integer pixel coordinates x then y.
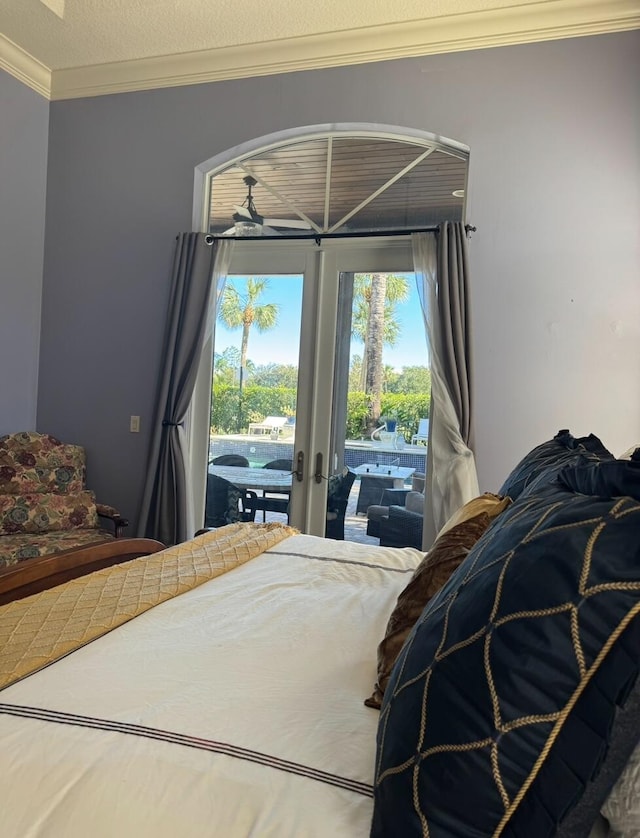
{"type": "Point", "coordinates": [280, 346]}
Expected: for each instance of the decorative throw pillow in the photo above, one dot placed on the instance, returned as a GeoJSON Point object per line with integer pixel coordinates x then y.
{"type": "Point", "coordinates": [500, 705]}
{"type": "Point", "coordinates": [32, 462]}
{"type": "Point", "coordinates": [492, 504]}
{"type": "Point", "coordinates": [447, 553]}
{"type": "Point", "coordinates": [542, 464]}
{"type": "Point", "coordinates": [611, 479]}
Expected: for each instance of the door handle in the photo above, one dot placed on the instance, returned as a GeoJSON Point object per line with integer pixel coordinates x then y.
{"type": "Point", "coordinates": [318, 475]}
{"type": "Point", "coordinates": [299, 470]}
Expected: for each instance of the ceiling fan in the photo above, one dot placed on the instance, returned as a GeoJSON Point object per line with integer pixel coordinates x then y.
{"type": "Point", "coordinates": [249, 222]}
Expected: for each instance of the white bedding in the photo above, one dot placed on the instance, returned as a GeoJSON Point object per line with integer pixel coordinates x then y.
{"type": "Point", "coordinates": [233, 710]}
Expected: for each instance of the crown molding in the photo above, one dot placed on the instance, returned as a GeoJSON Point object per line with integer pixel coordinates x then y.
{"type": "Point", "coordinates": [538, 21]}
{"type": "Point", "coordinates": [22, 66]}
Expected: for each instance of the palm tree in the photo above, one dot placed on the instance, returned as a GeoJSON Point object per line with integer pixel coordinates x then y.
{"type": "Point", "coordinates": [240, 310]}
{"type": "Point", "coordinates": [375, 297]}
{"type": "Point", "coordinates": [225, 364]}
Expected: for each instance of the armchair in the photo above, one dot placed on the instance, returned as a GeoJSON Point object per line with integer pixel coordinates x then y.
{"type": "Point", "coordinates": [401, 527]}
{"type": "Point", "coordinates": [45, 506]}
{"type": "Point", "coordinates": [396, 525]}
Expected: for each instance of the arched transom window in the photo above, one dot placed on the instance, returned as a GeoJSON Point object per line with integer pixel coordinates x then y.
{"type": "Point", "coordinates": [339, 183]}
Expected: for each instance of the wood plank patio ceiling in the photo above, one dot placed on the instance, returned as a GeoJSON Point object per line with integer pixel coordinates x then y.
{"type": "Point", "coordinates": [358, 167]}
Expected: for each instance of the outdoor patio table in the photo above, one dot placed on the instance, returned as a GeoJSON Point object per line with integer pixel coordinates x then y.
{"type": "Point", "coordinates": [375, 478]}
{"type": "Point", "coordinates": [258, 479]}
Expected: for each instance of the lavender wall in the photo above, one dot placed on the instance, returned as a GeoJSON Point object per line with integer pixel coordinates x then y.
{"type": "Point", "coordinates": [24, 120]}
{"type": "Point", "coordinates": [554, 131]}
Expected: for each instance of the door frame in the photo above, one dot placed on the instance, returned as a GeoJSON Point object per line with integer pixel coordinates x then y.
{"type": "Point", "coordinates": [321, 262]}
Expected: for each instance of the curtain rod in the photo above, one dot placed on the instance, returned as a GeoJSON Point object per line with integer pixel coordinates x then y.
{"type": "Point", "coordinates": [318, 237]}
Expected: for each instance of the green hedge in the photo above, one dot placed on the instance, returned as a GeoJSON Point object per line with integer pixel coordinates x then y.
{"type": "Point", "coordinates": [231, 415]}
{"type": "Point", "coordinates": [408, 409]}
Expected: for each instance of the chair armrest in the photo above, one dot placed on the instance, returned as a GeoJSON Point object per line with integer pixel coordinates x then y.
{"type": "Point", "coordinates": [402, 528]}
{"type": "Point", "coordinates": [112, 514]}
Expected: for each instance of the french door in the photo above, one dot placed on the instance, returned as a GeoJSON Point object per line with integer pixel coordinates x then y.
{"type": "Point", "coordinates": [325, 270]}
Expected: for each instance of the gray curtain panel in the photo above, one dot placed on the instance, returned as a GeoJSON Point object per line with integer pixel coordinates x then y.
{"type": "Point", "coordinates": [442, 278]}
{"type": "Point", "coordinates": [163, 514]}
{"type": "Point", "coordinates": [454, 322]}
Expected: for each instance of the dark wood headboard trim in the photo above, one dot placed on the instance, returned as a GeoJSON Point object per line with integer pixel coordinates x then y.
{"type": "Point", "coordinates": [33, 575]}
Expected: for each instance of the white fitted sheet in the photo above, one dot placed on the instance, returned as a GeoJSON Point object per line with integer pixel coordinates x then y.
{"type": "Point", "coordinates": [233, 710]}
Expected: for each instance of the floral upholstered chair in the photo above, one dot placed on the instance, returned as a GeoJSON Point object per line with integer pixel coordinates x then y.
{"type": "Point", "coordinates": [45, 506]}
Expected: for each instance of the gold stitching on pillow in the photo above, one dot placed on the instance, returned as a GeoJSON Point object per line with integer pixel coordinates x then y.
{"type": "Point", "coordinates": [564, 714]}
{"type": "Point", "coordinates": [559, 717]}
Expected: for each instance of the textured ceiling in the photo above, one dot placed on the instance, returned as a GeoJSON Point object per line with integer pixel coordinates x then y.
{"type": "Point", "coordinates": [98, 31]}
{"type": "Point", "coordinates": [79, 47]}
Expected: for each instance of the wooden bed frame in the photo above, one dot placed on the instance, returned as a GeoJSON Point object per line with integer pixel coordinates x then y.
{"type": "Point", "coordinates": [33, 575]}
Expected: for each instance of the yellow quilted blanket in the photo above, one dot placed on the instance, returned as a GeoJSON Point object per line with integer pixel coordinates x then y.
{"type": "Point", "coordinates": [42, 628]}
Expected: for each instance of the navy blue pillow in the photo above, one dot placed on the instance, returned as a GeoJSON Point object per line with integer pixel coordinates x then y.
{"type": "Point", "coordinates": [612, 479]}
{"type": "Point", "coordinates": [501, 703]}
{"type": "Point", "coordinates": [543, 463]}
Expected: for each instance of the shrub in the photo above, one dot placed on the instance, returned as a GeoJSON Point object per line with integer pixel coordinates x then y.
{"type": "Point", "coordinates": [232, 414]}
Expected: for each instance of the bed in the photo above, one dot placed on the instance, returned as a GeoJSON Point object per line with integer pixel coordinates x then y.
{"type": "Point", "coordinates": [225, 693]}
{"type": "Point", "coordinates": [234, 709]}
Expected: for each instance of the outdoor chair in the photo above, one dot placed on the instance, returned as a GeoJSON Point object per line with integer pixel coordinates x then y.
{"type": "Point", "coordinates": [227, 504]}
{"type": "Point", "coordinates": [398, 520]}
{"type": "Point", "coordinates": [279, 503]}
{"type": "Point", "coordinates": [402, 527]}
{"type": "Point", "coordinates": [371, 491]}
{"type": "Point", "coordinates": [423, 433]}
{"type": "Point", "coordinates": [271, 425]}
{"type": "Point", "coordinates": [230, 460]}
{"type": "Point", "coordinates": [279, 465]}
{"type": "Point", "coordinates": [398, 526]}
{"type": "Point", "coordinates": [337, 500]}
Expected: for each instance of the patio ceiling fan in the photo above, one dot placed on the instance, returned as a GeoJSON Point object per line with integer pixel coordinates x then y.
{"type": "Point", "coordinates": [248, 221]}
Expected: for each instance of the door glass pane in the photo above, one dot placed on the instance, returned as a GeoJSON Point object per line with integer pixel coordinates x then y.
{"type": "Point", "coordinates": [382, 394]}
{"type": "Point", "coordinates": [254, 391]}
